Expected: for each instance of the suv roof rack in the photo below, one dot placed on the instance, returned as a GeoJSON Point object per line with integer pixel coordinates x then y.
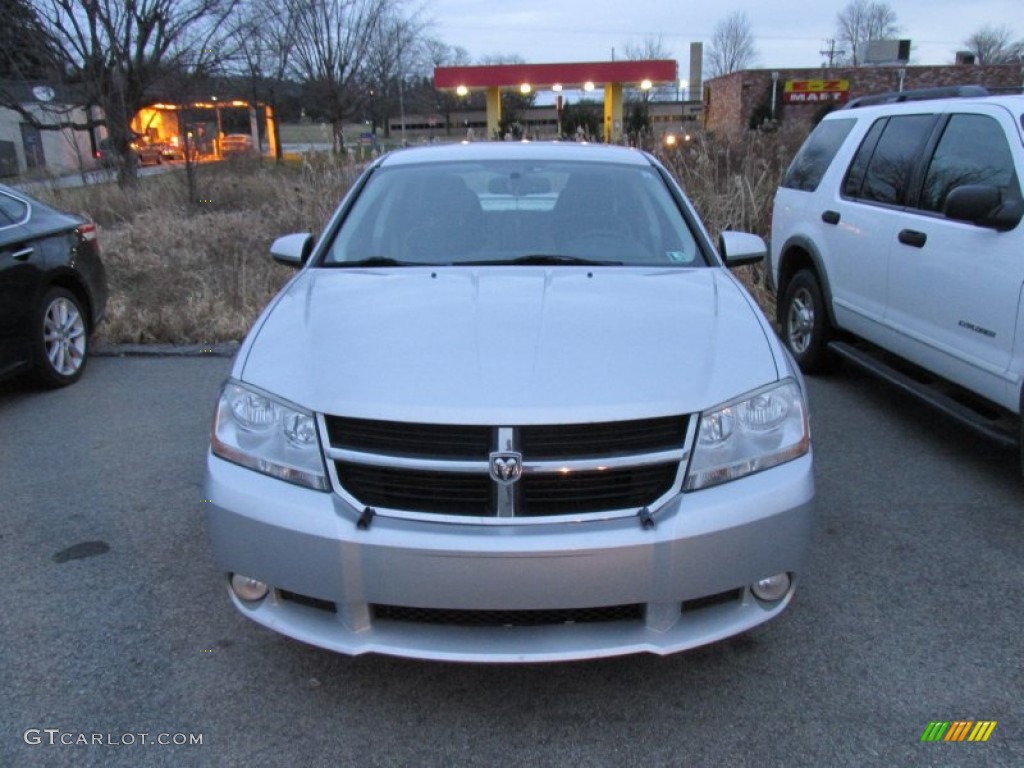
{"type": "Point", "coordinates": [920, 94]}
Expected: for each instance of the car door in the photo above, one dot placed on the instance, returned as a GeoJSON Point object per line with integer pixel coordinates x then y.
{"type": "Point", "coordinates": [864, 217]}
{"type": "Point", "coordinates": [20, 270]}
{"type": "Point", "coordinates": [954, 287]}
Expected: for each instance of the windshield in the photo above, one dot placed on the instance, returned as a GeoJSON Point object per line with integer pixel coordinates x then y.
{"type": "Point", "coordinates": [514, 212]}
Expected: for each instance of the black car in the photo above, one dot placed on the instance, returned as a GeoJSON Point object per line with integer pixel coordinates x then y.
{"type": "Point", "coordinates": [53, 290]}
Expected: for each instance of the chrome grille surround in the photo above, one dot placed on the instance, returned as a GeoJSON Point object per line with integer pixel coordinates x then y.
{"type": "Point", "coordinates": [568, 472]}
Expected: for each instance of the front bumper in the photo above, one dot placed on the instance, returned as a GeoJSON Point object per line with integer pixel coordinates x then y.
{"type": "Point", "coordinates": [688, 574]}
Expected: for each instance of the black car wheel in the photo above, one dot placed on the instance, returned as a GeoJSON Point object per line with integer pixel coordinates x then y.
{"type": "Point", "coordinates": [61, 339]}
{"type": "Point", "coordinates": [805, 325]}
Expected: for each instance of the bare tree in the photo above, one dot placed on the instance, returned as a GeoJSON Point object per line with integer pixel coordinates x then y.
{"type": "Point", "coordinates": [436, 53]}
{"type": "Point", "coordinates": [394, 55]}
{"type": "Point", "coordinates": [265, 42]}
{"type": "Point", "coordinates": [860, 22]}
{"type": "Point", "coordinates": [651, 47]}
{"type": "Point", "coordinates": [332, 41]}
{"type": "Point", "coordinates": [732, 45]}
{"type": "Point", "coordinates": [116, 53]}
{"type": "Point", "coordinates": [995, 45]}
{"type": "Point", "coordinates": [26, 51]}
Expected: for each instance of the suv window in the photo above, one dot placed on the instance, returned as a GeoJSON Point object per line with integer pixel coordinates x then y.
{"type": "Point", "coordinates": [813, 159]}
{"type": "Point", "coordinates": [973, 150]}
{"type": "Point", "coordinates": [882, 169]}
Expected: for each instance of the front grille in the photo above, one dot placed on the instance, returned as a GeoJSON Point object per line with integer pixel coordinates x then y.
{"type": "Point", "coordinates": [522, 618]}
{"type": "Point", "coordinates": [731, 596]}
{"type": "Point", "coordinates": [567, 469]}
{"type": "Point", "coordinates": [306, 600]}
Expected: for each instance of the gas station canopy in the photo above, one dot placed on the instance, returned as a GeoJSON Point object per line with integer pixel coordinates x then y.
{"type": "Point", "coordinates": [556, 77]}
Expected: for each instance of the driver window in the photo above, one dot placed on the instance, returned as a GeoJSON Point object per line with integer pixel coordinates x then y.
{"type": "Point", "coordinates": [972, 150]}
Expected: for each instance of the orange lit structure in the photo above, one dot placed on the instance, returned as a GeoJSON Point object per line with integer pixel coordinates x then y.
{"type": "Point", "coordinates": [199, 125]}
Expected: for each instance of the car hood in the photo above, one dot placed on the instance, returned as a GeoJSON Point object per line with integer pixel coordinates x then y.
{"type": "Point", "coordinates": [509, 345]}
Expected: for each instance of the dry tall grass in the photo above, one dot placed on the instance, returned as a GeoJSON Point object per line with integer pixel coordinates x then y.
{"type": "Point", "coordinates": [732, 186]}
{"type": "Point", "coordinates": [198, 271]}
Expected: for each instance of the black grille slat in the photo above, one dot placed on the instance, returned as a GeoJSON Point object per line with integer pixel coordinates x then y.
{"type": "Point", "coordinates": [730, 596]}
{"type": "Point", "coordinates": [434, 492]}
{"type": "Point", "coordinates": [603, 439]}
{"type": "Point", "coordinates": [596, 491]}
{"type": "Point", "coordinates": [443, 441]}
{"type": "Point", "coordinates": [506, 618]}
{"type": "Point", "coordinates": [306, 600]}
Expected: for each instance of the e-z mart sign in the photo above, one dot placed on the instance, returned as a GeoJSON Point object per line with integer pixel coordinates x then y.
{"type": "Point", "coordinates": [816, 91]}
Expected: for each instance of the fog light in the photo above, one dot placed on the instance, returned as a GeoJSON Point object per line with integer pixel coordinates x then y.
{"type": "Point", "coordinates": [771, 589]}
{"type": "Point", "coordinates": [248, 589]}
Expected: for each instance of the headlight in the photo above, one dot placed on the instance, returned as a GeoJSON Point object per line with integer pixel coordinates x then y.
{"type": "Point", "coordinates": [757, 431]}
{"type": "Point", "coordinates": [258, 431]}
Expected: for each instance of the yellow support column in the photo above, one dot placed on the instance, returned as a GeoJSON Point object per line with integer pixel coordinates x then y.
{"type": "Point", "coordinates": [271, 133]}
{"type": "Point", "coordinates": [612, 112]}
{"type": "Point", "coordinates": [493, 111]}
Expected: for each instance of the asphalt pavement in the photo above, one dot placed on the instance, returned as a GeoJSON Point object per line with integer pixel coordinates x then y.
{"type": "Point", "coordinates": [119, 647]}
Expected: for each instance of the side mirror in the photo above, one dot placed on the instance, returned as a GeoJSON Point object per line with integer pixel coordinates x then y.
{"type": "Point", "coordinates": [292, 250]}
{"type": "Point", "coordinates": [739, 248]}
{"type": "Point", "coordinates": [984, 206]}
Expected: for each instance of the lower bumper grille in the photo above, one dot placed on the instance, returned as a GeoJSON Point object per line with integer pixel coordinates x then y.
{"type": "Point", "coordinates": [524, 618]}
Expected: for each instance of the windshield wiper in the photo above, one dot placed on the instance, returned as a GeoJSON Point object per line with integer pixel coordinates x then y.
{"type": "Point", "coordinates": [381, 261]}
{"type": "Point", "coordinates": [540, 259]}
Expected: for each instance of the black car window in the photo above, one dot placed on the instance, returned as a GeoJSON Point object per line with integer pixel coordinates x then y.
{"type": "Point", "coordinates": [972, 150]}
{"type": "Point", "coordinates": [814, 157]}
{"type": "Point", "coordinates": [881, 172]}
{"type": "Point", "coordinates": [12, 211]}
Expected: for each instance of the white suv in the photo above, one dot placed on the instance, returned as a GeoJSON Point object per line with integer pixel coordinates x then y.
{"type": "Point", "coordinates": [897, 244]}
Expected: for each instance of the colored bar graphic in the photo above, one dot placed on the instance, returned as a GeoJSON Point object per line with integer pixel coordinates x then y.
{"type": "Point", "coordinates": [982, 730]}
{"type": "Point", "coordinates": [958, 730]}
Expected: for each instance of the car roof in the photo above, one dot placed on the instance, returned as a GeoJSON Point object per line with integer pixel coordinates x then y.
{"type": "Point", "coordinates": [1014, 103]}
{"type": "Point", "coordinates": [517, 150]}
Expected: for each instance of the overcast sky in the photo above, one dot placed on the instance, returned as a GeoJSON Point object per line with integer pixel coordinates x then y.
{"type": "Point", "coordinates": [789, 33]}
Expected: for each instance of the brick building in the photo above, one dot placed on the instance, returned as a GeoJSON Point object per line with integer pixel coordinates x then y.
{"type": "Point", "coordinates": [737, 102]}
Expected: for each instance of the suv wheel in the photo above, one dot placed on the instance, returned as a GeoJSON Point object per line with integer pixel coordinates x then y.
{"type": "Point", "coordinates": [805, 325]}
{"type": "Point", "coordinates": [61, 339]}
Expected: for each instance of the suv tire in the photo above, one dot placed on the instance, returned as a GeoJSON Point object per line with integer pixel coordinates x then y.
{"type": "Point", "coordinates": [806, 328]}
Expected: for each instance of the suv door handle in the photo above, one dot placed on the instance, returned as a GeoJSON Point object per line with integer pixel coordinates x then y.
{"type": "Point", "coordinates": [913, 238]}
{"type": "Point", "coordinates": [830, 217]}
{"type": "Point", "coordinates": [23, 254]}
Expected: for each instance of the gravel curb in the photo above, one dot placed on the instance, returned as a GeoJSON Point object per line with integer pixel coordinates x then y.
{"type": "Point", "coordinates": [223, 349]}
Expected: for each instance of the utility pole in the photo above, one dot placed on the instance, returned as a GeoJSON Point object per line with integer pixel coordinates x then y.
{"type": "Point", "coordinates": [831, 51]}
